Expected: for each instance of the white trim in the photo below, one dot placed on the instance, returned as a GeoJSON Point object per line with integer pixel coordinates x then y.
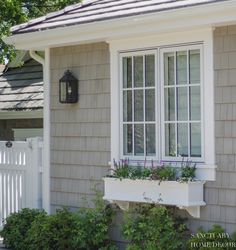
{"type": "Point", "coordinates": [214, 14]}
{"type": "Point", "coordinates": [162, 104]}
{"type": "Point", "coordinates": [46, 124]}
{"type": "Point", "coordinates": [7, 115]}
{"type": "Point", "coordinates": [178, 39]}
{"type": "Point", "coordinates": [143, 88]}
{"type": "Point", "coordinates": [46, 134]}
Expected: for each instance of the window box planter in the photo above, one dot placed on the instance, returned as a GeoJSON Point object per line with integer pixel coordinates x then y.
{"type": "Point", "coordinates": [185, 195]}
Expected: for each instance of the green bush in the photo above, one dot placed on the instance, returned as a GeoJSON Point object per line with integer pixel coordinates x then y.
{"type": "Point", "coordinates": [85, 229]}
{"type": "Point", "coordinates": [215, 239]}
{"type": "Point", "coordinates": [52, 232]}
{"type": "Point", "coordinates": [152, 227]}
{"type": "Point", "coordinates": [91, 231]}
{"type": "Point", "coordinates": [17, 226]}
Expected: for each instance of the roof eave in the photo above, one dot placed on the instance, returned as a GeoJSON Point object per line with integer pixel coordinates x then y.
{"type": "Point", "coordinates": [221, 13]}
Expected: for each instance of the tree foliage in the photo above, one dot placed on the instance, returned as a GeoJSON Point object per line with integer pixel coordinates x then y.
{"type": "Point", "coordinates": [13, 12]}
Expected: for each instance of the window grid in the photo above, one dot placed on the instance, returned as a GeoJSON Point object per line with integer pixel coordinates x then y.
{"type": "Point", "coordinates": [159, 136]}
{"type": "Point", "coordinates": [176, 87]}
{"type": "Point", "coordinates": [143, 88]}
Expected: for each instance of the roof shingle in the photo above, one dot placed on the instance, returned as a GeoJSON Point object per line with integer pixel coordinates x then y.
{"type": "Point", "coordinates": [100, 10]}
{"type": "Point", "coordinates": [21, 88]}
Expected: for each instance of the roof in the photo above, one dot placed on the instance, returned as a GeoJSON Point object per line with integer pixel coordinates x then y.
{"type": "Point", "coordinates": [21, 88]}
{"type": "Point", "coordinates": [99, 10]}
{"type": "Point", "coordinates": [2, 67]}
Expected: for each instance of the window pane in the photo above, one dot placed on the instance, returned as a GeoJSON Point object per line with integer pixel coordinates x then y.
{"type": "Point", "coordinates": [138, 105]}
{"type": "Point", "coordinates": [150, 139]}
{"type": "Point", "coordinates": [138, 139]}
{"type": "Point", "coordinates": [127, 105]}
{"type": "Point", "coordinates": [127, 72]}
{"type": "Point", "coordinates": [150, 70]}
{"type": "Point", "coordinates": [182, 139]}
{"type": "Point", "coordinates": [181, 67]}
{"type": "Point", "coordinates": [195, 129]}
{"type": "Point", "coordinates": [150, 104]}
{"type": "Point", "coordinates": [195, 110]}
{"type": "Point", "coordinates": [182, 103]}
{"type": "Point", "coordinates": [127, 139]}
{"type": "Point", "coordinates": [169, 104]}
{"type": "Point", "coordinates": [169, 68]}
{"type": "Point", "coordinates": [170, 144]}
{"type": "Point", "coordinates": [138, 71]}
{"type": "Point", "coordinates": [194, 66]}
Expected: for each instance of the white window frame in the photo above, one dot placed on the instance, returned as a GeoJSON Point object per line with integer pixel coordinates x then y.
{"type": "Point", "coordinates": [162, 104]}
{"type": "Point", "coordinates": [206, 169]}
{"type": "Point", "coordinates": [128, 54]}
{"type": "Point", "coordinates": [159, 103]}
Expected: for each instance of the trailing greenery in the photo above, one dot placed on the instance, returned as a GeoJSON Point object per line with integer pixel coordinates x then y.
{"type": "Point", "coordinates": [16, 228]}
{"type": "Point", "coordinates": [162, 172]}
{"type": "Point", "coordinates": [85, 229]}
{"type": "Point", "coordinates": [187, 171]}
{"type": "Point", "coordinates": [215, 239]}
{"type": "Point", "coordinates": [153, 227]}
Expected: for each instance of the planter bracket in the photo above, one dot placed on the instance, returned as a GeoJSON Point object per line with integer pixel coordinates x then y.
{"type": "Point", "coordinates": [194, 211]}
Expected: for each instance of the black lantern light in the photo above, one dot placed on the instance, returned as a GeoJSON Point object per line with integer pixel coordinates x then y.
{"type": "Point", "coordinates": [68, 88]}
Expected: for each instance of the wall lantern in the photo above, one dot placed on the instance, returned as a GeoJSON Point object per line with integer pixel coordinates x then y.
{"type": "Point", "coordinates": [68, 88]}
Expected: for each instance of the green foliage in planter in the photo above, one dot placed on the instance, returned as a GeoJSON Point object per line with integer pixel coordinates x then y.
{"type": "Point", "coordinates": [215, 239]}
{"type": "Point", "coordinates": [152, 227]}
{"type": "Point", "coordinates": [163, 172]}
{"type": "Point", "coordinates": [187, 171]}
{"type": "Point", "coordinates": [17, 226]}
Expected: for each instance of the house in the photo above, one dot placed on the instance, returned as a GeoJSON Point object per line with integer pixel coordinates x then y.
{"type": "Point", "coordinates": [21, 99]}
{"type": "Point", "coordinates": [157, 81]}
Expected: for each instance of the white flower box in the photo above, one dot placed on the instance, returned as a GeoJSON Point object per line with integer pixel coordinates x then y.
{"type": "Point", "coordinates": [187, 195]}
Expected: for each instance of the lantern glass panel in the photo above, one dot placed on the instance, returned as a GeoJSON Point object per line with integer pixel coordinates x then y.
{"type": "Point", "coordinates": [63, 91]}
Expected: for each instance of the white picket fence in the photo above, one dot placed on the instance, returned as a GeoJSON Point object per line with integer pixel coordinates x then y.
{"type": "Point", "coordinates": [20, 176]}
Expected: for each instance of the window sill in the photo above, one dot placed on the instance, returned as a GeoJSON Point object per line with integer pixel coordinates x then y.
{"type": "Point", "coordinates": [185, 195]}
{"type": "Point", "coordinates": [206, 172]}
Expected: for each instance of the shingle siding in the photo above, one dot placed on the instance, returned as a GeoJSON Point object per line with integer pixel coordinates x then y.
{"type": "Point", "coordinates": [6, 127]}
{"type": "Point", "coordinates": [80, 133]}
{"type": "Point", "coordinates": [220, 195]}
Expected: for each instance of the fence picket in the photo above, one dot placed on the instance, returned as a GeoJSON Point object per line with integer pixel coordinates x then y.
{"type": "Point", "coordinates": [20, 176]}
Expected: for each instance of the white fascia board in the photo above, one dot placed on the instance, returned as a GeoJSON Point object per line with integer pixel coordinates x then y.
{"type": "Point", "coordinates": [221, 13]}
{"type": "Point", "coordinates": [7, 115]}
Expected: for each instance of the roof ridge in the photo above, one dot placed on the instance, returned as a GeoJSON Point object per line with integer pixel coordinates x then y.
{"type": "Point", "coordinates": [53, 14]}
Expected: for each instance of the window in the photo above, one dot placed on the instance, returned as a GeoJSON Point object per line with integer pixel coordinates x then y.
{"type": "Point", "coordinates": [139, 118]}
{"type": "Point", "coordinates": [161, 103]}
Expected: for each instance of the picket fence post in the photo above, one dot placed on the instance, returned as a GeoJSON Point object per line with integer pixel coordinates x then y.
{"type": "Point", "coordinates": [34, 173]}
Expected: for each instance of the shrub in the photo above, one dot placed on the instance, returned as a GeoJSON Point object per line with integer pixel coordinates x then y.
{"type": "Point", "coordinates": [91, 231]}
{"type": "Point", "coordinates": [215, 239]}
{"type": "Point", "coordinates": [152, 227]}
{"type": "Point", "coordinates": [52, 232]}
{"type": "Point", "coordinates": [85, 229]}
{"type": "Point", "coordinates": [17, 226]}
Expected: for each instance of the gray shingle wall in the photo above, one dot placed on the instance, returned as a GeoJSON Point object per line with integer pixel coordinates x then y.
{"type": "Point", "coordinates": [221, 194]}
{"type": "Point", "coordinates": [80, 133]}
{"type": "Point", "coordinates": [6, 126]}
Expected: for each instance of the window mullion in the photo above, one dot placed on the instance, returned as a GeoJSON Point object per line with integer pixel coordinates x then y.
{"type": "Point", "coordinates": [188, 99]}
{"type": "Point", "coordinates": [176, 103]}
{"type": "Point", "coordinates": [132, 76]}
{"type": "Point", "coordinates": [144, 106]}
